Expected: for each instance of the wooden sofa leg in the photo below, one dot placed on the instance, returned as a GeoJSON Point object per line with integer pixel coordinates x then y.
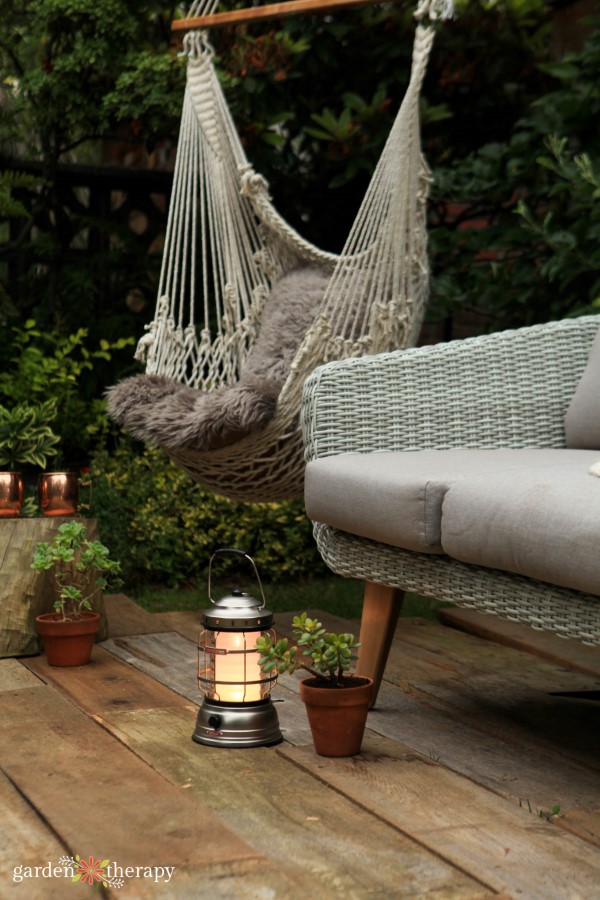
{"type": "Point", "coordinates": [381, 607]}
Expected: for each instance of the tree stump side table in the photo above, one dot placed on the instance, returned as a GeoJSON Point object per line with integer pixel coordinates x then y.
{"type": "Point", "coordinates": [25, 594]}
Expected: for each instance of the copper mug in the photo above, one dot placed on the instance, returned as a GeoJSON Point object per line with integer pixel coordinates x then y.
{"type": "Point", "coordinates": [11, 495]}
{"type": "Point", "coordinates": [58, 493]}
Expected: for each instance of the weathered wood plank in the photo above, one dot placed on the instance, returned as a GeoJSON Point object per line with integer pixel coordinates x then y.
{"type": "Point", "coordinates": [172, 660]}
{"type": "Point", "coordinates": [571, 654]}
{"type": "Point", "coordinates": [25, 593]}
{"type": "Point", "coordinates": [13, 676]}
{"type": "Point", "coordinates": [468, 652]}
{"type": "Point", "coordinates": [105, 683]}
{"type": "Point", "coordinates": [98, 796]}
{"type": "Point", "coordinates": [125, 617]}
{"type": "Point", "coordinates": [425, 651]}
{"type": "Point", "coordinates": [505, 847]}
{"type": "Point", "coordinates": [509, 764]}
{"type": "Point", "coordinates": [504, 691]}
{"type": "Point", "coordinates": [507, 759]}
{"type": "Point", "coordinates": [186, 623]}
{"type": "Point", "coordinates": [325, 845]}
{"type": "Point", "coordinates": [27, 841]}
{"type": "Point", "coordinates": [166, 657]}
{"type": "Point", "coordinates": [584, 823]}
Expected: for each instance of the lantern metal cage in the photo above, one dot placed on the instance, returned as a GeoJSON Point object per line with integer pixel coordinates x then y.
{"type": "Point", "coordinates": [237, 710]}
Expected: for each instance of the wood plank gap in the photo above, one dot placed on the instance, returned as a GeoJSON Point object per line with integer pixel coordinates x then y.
{"type": "Point", "coordinates": [320, 845]}
{"type": "Point", "coordinates": [39, 815]}
{"type": "Point", "coordinates": [377, 815]}
{"type": "Point", "coordinates": [470, 827]}
{"type": "Point", "coordinates": [542, 644]}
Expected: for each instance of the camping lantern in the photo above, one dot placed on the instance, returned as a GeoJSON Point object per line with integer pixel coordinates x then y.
{"type": "Point", "coordinates": [237, 710]}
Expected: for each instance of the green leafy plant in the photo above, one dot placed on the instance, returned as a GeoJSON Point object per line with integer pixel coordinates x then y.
{"type": "Point", "coordinates": [165, 527]}
{"type": "Point", "coordinates": [80, 568]}
{"type": "Point", "coordinates": [25, 434]}
{"type": "Point", "coordinates": [44, 365]}
{"type": "Point", "coordinates": [515, 225]}
{"type": "Point", "coordinates": [331, 653]}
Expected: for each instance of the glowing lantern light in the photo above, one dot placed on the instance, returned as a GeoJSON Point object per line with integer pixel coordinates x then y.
{"type": "Point", "coordinates": [237, 710]}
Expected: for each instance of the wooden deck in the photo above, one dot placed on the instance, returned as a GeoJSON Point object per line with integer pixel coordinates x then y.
{"type": "Point", "coordinates": [473, 744]}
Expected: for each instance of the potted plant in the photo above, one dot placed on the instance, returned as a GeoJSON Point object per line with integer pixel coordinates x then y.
{"type": "Point", "coordinates": [336, 701]}
{"type": "Point", "coordinates": [80, 568]}
{"type": "Point", "coordinates": [26, 439]}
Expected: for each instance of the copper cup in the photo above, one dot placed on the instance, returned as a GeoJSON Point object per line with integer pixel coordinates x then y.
{"type": "Point", "coordinates": [58, 493]}
{"type": "Point", "coordinates": [11, 495]}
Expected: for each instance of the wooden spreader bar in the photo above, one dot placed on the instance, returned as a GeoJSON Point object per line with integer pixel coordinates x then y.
{"type": "Point", "coordinates": [264, 13]}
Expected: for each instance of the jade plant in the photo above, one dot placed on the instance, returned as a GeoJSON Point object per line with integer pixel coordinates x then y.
{"type": "Point", "coordinates": [330, 653]}
{"type": "Point", "coordinates": [25, 435]}
{"type": "Point", "coordinates": [80, 568]}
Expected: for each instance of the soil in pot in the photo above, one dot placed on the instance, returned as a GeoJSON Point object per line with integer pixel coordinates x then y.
{"type": "Point", "coordinates": [337, 715]}
{"type": "Point", "coordinates": [68, 643]}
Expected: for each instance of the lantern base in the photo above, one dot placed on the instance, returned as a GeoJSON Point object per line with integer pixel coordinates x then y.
{"type": "Point", "coordinates": [237, 724]}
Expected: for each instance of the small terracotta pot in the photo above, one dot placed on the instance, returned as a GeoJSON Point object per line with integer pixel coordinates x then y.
{"type": "Point", "coordinates": [68, 643]}
{"type": "Point", "coordinates": [11, 495]}
{"type": "Point", "coordinates": [337, 716]}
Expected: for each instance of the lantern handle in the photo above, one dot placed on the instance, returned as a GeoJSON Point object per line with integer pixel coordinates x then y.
{"type": "Point", "coordinates": [223, 551]}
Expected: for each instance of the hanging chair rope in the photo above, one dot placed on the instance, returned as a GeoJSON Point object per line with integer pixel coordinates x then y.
{"type": "Point", "coordinates": [226, 246]}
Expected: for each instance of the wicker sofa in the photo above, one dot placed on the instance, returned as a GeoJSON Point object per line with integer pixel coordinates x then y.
{"type": "Point", "coordinates": [446, 470]}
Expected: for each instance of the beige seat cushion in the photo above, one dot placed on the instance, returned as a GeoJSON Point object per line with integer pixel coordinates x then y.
{"type": "Point", "coordinates": [542, 522]}
{"type": "Point", "coordinates": [397, 498]}
{"type": "Point", "coordinates": [582, 421]}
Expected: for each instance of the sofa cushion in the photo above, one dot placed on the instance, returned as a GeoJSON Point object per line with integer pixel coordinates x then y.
{"type": "Point", "coordinates": [542, 522]}
{"type": "Point", "coordinates": [397, 498]}
{"type": "Point", "coordinates": [582, 421]}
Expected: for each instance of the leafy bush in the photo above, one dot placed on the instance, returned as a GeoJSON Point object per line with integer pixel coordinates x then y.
{"type": "Point", "coordinates": [164, 527]}
{"type": "Point", "coordinates": [59, 370]}
{"type": "Point", "coordinates": [25, 435]}
{"type": "Point", "coordinates": [80, 568]}
{"type": "Point", "coordinates": [520, 243]}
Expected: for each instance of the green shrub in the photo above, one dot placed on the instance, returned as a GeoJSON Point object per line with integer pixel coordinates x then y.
{"type": "Point", "coordinates": [164, 527]}
{"type": "Point", "coordinates": [520, 244]}
{"type": "Point", "coordinates": [62, 375]}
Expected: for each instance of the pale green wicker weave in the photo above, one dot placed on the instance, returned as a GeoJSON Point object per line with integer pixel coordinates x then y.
{"type": "Point", "coordinates": [509, 389]}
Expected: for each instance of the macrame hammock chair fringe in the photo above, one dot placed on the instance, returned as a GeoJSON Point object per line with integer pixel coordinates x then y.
{"type": "Point", "coordinates": [228, 253]}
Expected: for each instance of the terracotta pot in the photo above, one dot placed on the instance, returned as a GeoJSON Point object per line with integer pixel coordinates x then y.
{"type": "Point", "coordinates": [58, 493]}
{"type": "Point", "coordinates": [337, 716]}
{"type": "Point", "coordinates": [11, 495]}
{"type": "Point", "coordinates": [68, 643]}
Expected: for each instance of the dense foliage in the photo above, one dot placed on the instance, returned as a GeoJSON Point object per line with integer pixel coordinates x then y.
{"type": "Point", "coordinates": [313, 97]}
{"type": "Point", "coordinates": [63, 377]}
{"type": "Point", "coordinates": [527, 209]}
{"type": "Point", "coordinates": [164, 527]}
{"type": "Point", "coordinates": [509, 131]}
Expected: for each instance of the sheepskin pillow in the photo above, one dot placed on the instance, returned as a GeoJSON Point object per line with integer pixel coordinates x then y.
{"type": "Point", "coordinates": [582, 421]}
{"type": "Point", "coordinates": [170, 415]}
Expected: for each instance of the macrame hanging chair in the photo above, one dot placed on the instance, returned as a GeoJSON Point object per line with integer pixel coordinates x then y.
{"type": "Point", "coordinates": [247, 308]}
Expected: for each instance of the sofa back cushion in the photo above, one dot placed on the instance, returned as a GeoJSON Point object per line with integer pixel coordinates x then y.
{"type": "Point", "coordinates": [582, 421]}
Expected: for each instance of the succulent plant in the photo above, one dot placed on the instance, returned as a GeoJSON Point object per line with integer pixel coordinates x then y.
{"type": "Point", "coordinates": [331, 653]}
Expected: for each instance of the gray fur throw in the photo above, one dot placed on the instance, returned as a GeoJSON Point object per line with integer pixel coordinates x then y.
{"type": "Point", "coordinates": [171, 415]}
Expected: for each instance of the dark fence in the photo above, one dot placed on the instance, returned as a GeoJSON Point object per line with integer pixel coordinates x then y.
{"type": "Point", "coordinates": [98, 218]}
